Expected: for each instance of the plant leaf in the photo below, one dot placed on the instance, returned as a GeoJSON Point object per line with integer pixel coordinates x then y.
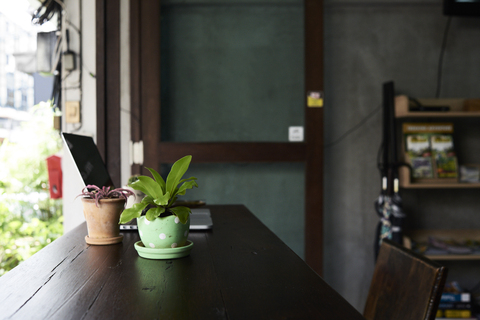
{"type": "Point", "coordinates": [138, 185]}
{"type": "Point", "coordinates": [151, 187]}
{"type": "Point", "coordinates": [176, 173]}
{"type": "Point", "coordinates": [172, 201]}
{"type": "Point", "coordinates": [191, 178]}
{"type": "Point", "coordinates": [148, 200]}
{"type": "Point", "coordinates": [158, 178]}
{"type": "Point", "coordinates": [186, 185]}
{"type": "Point", "coordinates": [153, 213]}
{"type": "Point", "coordinates": [131, 213]}
{"type": "Point", "coordinates": [182, 213]}
{"type": "Point", "coordinates": [163, 200]}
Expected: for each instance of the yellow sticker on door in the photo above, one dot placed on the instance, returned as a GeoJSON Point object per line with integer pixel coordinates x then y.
{"type": "Point", "coordinates": [315, 99]}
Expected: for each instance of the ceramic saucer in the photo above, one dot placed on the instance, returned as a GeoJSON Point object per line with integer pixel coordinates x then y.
{"type": "Point", "coordinates": [163, 253]}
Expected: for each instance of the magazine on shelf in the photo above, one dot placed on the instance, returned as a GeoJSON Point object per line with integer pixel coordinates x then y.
{"type": "Point", "coordinates": [470, 173]}
{"type": "Point", "coordinates": [453, 313]}
{"type": "Point", "coordinates": [464, 297]}
{"type": "Point", "coordinates": [455, 305]}
{"type": "Point", "coordinates": [419, 155]}
{"type": "Point", "coordinates": [429, 150]}
{"type": "Point", "coordinates": [443, 153]}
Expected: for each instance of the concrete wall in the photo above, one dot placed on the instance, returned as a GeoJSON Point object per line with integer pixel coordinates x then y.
{"type": "Point", "coordinates": [366, 44]}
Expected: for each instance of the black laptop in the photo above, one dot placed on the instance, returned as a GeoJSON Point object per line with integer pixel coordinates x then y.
{"type": "Point", "coordinates": [87, 159]}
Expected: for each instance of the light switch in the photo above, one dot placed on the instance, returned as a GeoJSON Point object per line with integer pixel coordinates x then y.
{"type": "Point", "coordinates": [295, 134]}
{"type": "Point", "coordinates": [72, 111]}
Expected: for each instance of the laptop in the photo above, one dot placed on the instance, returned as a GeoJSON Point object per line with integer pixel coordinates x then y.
{"type": "Point", "coordinates": [92, 170]}
{"type": "Point", "coordinates": [88, 160]}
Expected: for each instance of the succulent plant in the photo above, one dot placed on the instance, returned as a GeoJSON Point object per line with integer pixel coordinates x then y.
{"type": "Point", "coordinates": [94, 192]}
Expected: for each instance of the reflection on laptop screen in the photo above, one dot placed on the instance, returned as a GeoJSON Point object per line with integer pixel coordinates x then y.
{"type": "Point", "coordinates": [87, 159]}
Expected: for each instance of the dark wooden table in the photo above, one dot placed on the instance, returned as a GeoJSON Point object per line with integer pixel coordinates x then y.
{"type": "Point", "coordinates": [239, 270]}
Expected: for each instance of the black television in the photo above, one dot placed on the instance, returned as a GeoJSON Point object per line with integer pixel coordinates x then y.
{"type": "Point", "coordinates": [461, 8]}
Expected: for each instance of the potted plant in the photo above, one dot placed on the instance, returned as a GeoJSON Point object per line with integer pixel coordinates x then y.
{"type": "Point", "coordinates": [102, 208]}
{"type": "Point", "coordinates": [163, 225]}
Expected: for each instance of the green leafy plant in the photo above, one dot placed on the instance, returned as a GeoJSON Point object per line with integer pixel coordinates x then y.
{"type": "Point", "coordinates": [29, 219]}
{"type": "Point", "coordinates": [133, 178]}
{"type": "Point", "coordinates": [94, 192]}
{"type": "Point", "coordinates": [160, 195]}
{"type": "Point", "coordinates": [21, 237]}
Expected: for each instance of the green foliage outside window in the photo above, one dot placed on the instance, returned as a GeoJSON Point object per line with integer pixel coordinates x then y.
{"type": "Point", "coordinates": [29, 219]}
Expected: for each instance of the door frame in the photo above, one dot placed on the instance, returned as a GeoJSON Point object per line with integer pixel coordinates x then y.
{"type": "Point", "coordinates": [145, 109]}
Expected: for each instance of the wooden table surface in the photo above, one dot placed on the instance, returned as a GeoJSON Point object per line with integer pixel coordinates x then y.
{"type": "Point", "coordinates": [239, 270]}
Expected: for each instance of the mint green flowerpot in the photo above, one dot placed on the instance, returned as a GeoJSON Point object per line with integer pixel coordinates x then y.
{"type": "Point", "coordinates": [167, 232]}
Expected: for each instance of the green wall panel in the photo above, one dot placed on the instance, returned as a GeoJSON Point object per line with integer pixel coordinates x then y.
{"type": "Point", "coordinates": [232, 72]}
{"type": "Point", "coordinates": [273, 192]}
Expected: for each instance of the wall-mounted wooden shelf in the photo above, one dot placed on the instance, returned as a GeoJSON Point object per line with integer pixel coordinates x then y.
{"type": "Point", "coordinates": [457, 107]}
{"type": "Point", "coordinates": [405, 182]}
{"type": "Point", "coordinates": [421, 236]}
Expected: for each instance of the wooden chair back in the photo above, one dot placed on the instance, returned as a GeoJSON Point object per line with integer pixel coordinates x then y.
{"type": "Point", "coordinates": [405, 285]}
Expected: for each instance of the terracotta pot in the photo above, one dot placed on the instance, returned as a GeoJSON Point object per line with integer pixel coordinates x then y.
{"type": "Point", "coordinates": [102, 221]}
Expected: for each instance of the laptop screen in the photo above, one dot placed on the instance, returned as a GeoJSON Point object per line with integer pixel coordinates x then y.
{"type": "Point", "coordinates": [87, 159]}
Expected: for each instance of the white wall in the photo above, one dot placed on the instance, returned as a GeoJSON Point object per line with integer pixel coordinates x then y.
{"type": "Point", "coordinates": [125, 90]}
{"type": "Point", "coordinates": [80, 85]}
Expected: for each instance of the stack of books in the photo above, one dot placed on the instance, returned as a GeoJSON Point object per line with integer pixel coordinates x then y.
{"type": "Point", "coordinates": [430, 152]}
{"type": "Point", "coordinates": [455, 306]}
